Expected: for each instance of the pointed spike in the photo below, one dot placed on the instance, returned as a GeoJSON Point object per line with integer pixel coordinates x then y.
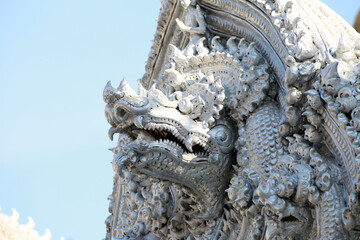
{"type": "Point", "coordinates": [121, 84]}
{"type": "Point", "coordinates": [342, 46]}
{"type": "Point", "coordinates": [111, 133]}
{"type": "Point", "coordinates": [331, 70]}
{"type": "Point", "coordinates": [108, 84]}
{"type": "Point", "coordinates": [112, 149]}
{"type": "Point", "coordinates": [141, 90]}
{"type": "Point", "coordinates": [108, 88]}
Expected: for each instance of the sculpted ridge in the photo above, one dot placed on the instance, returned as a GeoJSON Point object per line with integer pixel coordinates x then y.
{"type": "Point", "coordinates": [245, 127]}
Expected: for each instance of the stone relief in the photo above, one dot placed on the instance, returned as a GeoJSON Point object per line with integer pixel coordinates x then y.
{"type": "Point", "coordinates": [194, 25]}
{"type": "Point", "coordinates": [250, 130]}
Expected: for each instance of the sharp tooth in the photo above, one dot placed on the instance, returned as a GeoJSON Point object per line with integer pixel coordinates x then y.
{"type": "Point", "coordinates": [190, 141]}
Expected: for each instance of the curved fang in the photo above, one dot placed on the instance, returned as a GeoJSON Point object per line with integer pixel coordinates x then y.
{"type": "Point", "coordinates": [190, 141]}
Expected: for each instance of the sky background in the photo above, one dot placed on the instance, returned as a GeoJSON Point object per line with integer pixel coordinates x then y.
{"type": "Point", "coordinates": [55, 59]}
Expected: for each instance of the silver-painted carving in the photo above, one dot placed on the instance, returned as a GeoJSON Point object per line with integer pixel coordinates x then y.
{"type": "Point", "coordinates": [248, 128]}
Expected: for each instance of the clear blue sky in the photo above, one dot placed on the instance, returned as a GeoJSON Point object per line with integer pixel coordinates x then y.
{"type": "Point", "coordinates": [55, 59]}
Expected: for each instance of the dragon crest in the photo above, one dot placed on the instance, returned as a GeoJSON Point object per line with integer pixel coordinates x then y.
{"type": "Point", "coordinates": [234, 134]}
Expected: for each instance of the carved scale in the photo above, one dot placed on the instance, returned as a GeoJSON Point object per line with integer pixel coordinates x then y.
{"type": "Point", "coordinates": [245, 126]}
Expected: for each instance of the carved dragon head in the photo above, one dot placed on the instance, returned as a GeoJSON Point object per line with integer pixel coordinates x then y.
{"type": "Point", "coordinates": [181, 118]}
{"type": "Point", "coordinates": [184, 127]}
{"type": "Point", "coordinates": [217, 114]}
{"type": "Point", "coordinates": [156, 124]}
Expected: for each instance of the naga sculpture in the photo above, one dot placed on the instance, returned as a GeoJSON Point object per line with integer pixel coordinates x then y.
{"type": "Point", "coordinates": [245, 126]}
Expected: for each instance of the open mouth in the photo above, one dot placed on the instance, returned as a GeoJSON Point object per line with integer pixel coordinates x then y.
{"type": "Point", "coordinates": [193, 149]}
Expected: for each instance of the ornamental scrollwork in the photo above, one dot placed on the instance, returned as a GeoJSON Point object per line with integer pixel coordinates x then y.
{"type": "Point", "coordinates": [223, 144]}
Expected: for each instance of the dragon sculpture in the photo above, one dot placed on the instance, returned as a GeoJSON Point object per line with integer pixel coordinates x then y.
{"type": "Point", "coordinates": [245, 126]}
